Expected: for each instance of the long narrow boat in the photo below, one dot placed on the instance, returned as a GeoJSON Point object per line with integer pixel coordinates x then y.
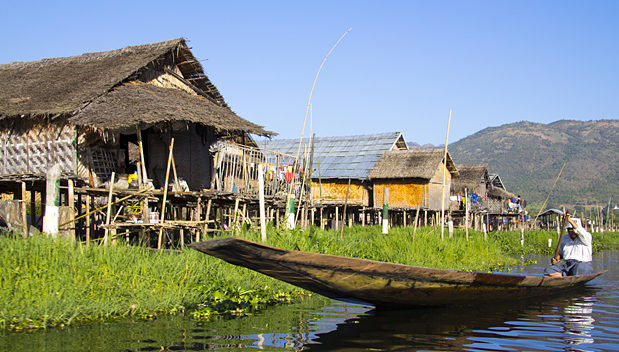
{"type": "Point", "coordinates": [384, 285]}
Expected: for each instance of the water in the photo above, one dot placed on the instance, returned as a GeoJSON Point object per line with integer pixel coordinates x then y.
{"type": "Point", "coordinates": [583, 320]}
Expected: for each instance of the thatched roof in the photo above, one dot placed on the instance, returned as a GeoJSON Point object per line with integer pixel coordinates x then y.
{"type": "Point", "coordinates": [413, 163]}
{"type": "Point", "coordinates": [471, 175]}
{"type": "Point", "coordinates": [500, 193]}
{"type": "Point", "coordinates": [135, 103]}
{"type": "Point", "coordinates": [58, 86]}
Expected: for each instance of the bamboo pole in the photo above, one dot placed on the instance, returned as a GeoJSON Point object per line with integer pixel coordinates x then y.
{"type": "Point", "coordinates": [466, 212]}
{"type": "Point", "coordinates": [24, 215]}
{"type": "Point", "coordinates": [553, 187]}
{"type": "Point", "coordinates": [344, 214]}
{"type": "Point", "coordinates": [109, 208]}
{"type": "Point", "coordinates": [309, 102]}
{"type": "Point", "coordinates": [263, 226]}
{"type": "Point", "coordinates": [142, 159]}
{"type": "Point", "coordinates": [444, 176]}
{"type": "Point", "coordinates": [87, 220]}
{"type": "Point", "coordinates": [165, 193]}
{"type": "Point", "coordinates": [416, 218]}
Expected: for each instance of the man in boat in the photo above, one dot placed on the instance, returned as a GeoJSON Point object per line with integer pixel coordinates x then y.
{"type": "Point", "coordinates": [576, 249]}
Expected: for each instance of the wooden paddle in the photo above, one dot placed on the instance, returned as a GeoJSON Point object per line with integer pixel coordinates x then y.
{"type": "Point", "coordinates": [563, 223]}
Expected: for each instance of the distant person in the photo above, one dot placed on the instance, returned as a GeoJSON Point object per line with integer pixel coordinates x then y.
{"type": "Point", "coordinates": [576, 249]}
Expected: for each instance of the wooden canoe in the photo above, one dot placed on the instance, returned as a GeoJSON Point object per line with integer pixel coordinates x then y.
{"type": "Point", "coordinates": [384, 285]}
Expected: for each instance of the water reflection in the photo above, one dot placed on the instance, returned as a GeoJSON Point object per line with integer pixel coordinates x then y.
{"type": "Point", "coordinates": [483, 327]}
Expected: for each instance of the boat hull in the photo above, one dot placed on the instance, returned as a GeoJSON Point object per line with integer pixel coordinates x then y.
{"type": "Point", "coordinates": [384, 285]}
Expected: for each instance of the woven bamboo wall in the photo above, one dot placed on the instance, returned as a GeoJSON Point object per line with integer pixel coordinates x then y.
{"type": "Point", "coordinates": [192, 159]}
{"type": "Point", "coordinates": [33, 148]}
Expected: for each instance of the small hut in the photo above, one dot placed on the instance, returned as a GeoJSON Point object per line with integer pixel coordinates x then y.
{"type": "Point", "coordinates": [336, 162]}
{"type": "Point", "coordinates": [416, 179]}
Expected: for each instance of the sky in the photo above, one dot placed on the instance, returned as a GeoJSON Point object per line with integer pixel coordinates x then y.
{"type": "Point", "coordinates": [404, 66]}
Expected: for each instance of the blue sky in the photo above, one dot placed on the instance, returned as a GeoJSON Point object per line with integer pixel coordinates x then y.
{"type": "Point", "coordinates": [403, 66]}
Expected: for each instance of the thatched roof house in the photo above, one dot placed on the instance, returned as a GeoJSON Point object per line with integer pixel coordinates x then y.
{"type": "Point", "coordinates": [473, 179]}
{"type": "Point", "coordinates": [336, 160]}
{"type": "Point", "coordinates": [413, 163]}
{"type": "Point", "coordinates": [106, 89]}
{"type": "Point", "coordinates": [70, 110]}
{"type": "Point", "coordinates": [414, 178]}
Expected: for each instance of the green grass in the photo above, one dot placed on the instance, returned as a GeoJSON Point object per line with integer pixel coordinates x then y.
{"type": "Point", "coordinates": [52, 283]}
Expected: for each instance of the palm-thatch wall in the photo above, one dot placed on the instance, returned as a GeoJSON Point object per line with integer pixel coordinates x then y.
{"type": "Point", "coordinates": [414, 178]}
{"type": "Point", "coordinates": [86, 109]}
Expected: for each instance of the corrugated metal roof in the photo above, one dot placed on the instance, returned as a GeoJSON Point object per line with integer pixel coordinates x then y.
{"type": "Point", "coordinates": [340, 157]}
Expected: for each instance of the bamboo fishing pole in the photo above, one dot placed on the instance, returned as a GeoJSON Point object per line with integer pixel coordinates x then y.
{"type": "Point", "coordinates": [553, 187]}
{"type": "Point", "coordinates": [563, 223]}
{"type": "Point", "coordinates": [308, 106]}
{"type": "Point", "coordinates": [444, 176]}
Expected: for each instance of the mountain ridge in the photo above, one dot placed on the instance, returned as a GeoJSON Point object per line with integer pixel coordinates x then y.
{"type": "Point", "coordinates": [529, 156]}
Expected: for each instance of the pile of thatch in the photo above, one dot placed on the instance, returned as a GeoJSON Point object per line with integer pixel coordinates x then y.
{"type": "Point", "coordinates": [413, 163]}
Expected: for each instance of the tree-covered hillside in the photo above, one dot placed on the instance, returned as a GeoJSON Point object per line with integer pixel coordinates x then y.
{"type": "Point", "coordinates": [529, 156]}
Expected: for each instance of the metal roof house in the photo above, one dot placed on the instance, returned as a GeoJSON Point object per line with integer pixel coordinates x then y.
{"type": "Point", "coordinates": [335, 160]}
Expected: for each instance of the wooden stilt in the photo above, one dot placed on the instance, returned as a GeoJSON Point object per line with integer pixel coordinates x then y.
{"type": "Point", "coordinates": [24, 215]}
{"type": "Point", "coordinates": [88, 200]}
{"type": "Point", "coordinates": [109, 208]}
{"type": "Point", "coordinates": [165, 194]}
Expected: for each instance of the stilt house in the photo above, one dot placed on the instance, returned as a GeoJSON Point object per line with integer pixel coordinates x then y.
{"type": "Point", "coordinates": [90, 112]}
{"type": "Point", "coordinates": [114, 112]}
{"type": "Point", "coordinates": [334, 161]}
{"type": "Point", "coordinates": [416, 179]}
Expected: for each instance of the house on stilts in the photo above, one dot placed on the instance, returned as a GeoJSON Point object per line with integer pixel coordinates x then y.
{"type": "Point", "coordinates": [481, 198]}
{"type": "Point", "coordinates": [147, 114]}
{"type": "Point", "coordinates": [417, 181]}
{"type": "Point", "coordinates": [339, 168]}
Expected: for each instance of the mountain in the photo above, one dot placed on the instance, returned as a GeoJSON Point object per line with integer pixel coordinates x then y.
{"type": "Point", "coordinates": [529, 157]}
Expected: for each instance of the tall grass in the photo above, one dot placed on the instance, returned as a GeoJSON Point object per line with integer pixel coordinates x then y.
{"type": "Point", "coordinates": [49, 283]}
{"type": "Point", "coordinates": [400, 246]}
{"type": "Point", "coordinates": [45, 282]}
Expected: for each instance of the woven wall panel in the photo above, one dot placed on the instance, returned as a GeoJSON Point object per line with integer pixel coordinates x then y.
{"type": "Point", "coordinates": [36, 150]}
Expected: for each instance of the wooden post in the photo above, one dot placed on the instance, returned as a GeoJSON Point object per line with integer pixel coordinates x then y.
{"type": "Point", "coordinates": [198, 217]}
{"type": "Point", "coordinates": [109, 208]}
{"type": "Point", "coordinates": [165, 194]}
{"type": "Point", "coordinates": [71, 196]}
{"type": "Point", "coordinates": [88, 220]}
{"type": "Point", "coordinates": [24, 215]}
{"type": "Point", "coordinates": [385, 210]}
{"type": "Point", "coordinates": [33, 208]}
{"type": "Point", "coordinates": [142, 159]}
{"type": "Point", "coordinates": [345, 205]}
{"type": "Point", "coordinates": [206, 218]}
{"type": "Point", "coordinates": [263, 225]}
{"type": "Point", "coordinates": [415, 225]}
{"type": "Point", "coordinates": [466, 213]}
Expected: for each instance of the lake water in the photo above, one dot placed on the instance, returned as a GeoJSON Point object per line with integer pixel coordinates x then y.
{"type": "Point", "coordinates": [583, 320]}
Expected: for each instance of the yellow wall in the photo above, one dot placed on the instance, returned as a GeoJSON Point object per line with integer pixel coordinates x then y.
{"type": "Point", "coordinates": [334, 191]}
